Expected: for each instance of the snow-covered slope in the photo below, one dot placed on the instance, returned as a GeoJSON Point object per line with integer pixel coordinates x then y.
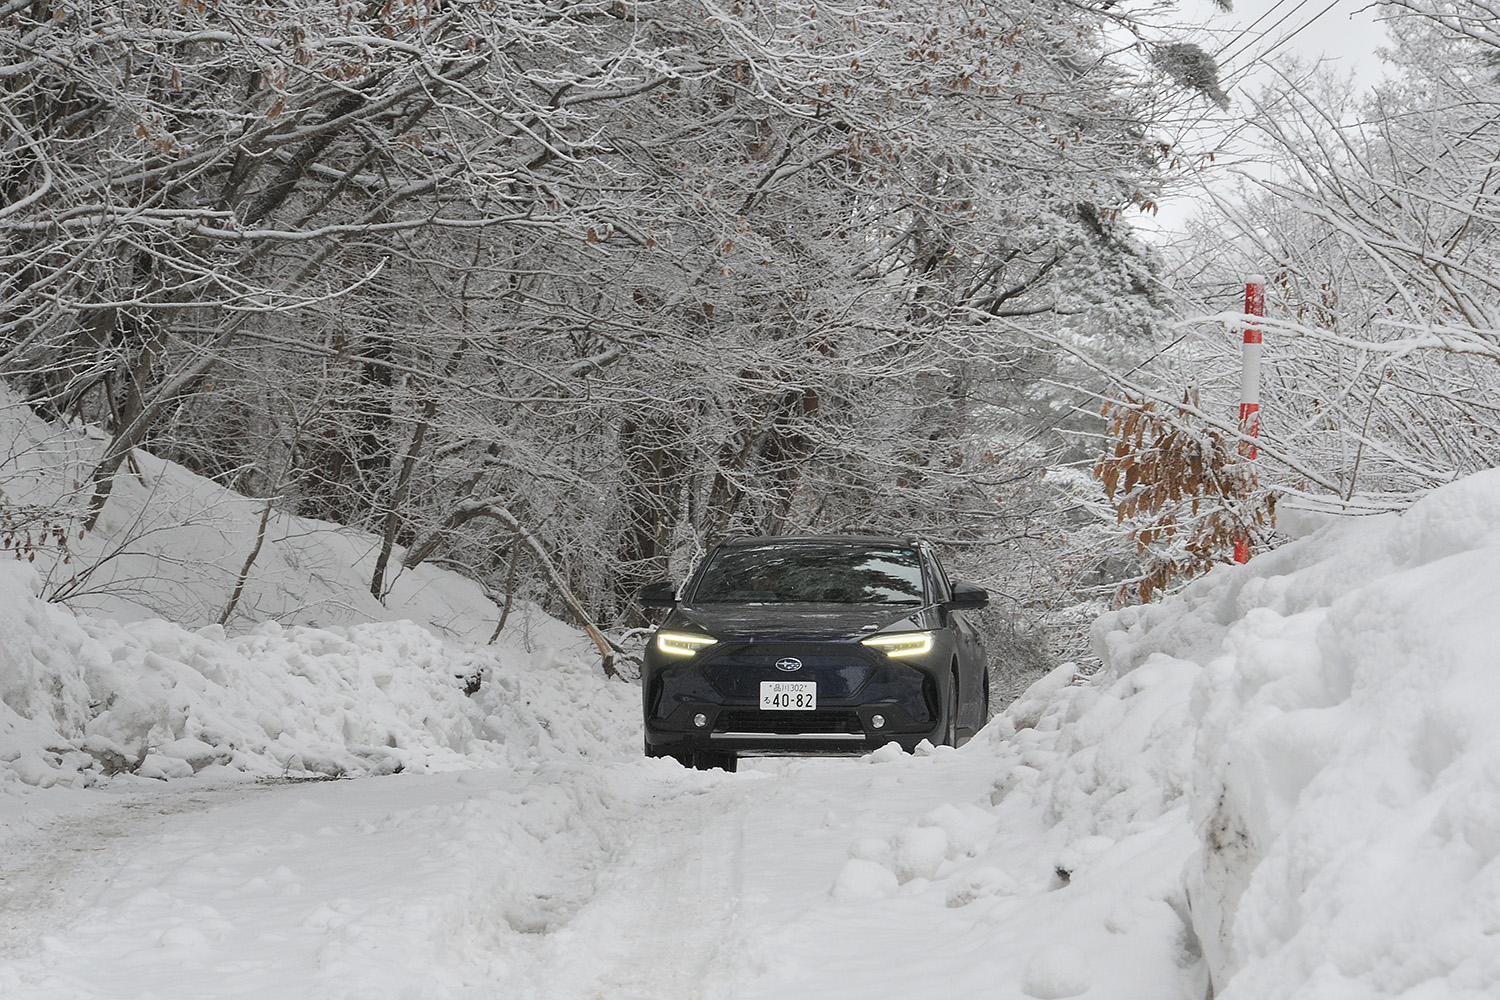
{"type": "Point", "coordinates": [171, 544]}
{"type": "Point", "coordinates": [313, 677]}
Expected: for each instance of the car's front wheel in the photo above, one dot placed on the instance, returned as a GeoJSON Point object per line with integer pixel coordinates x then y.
{"type": "Point", "coordinates": [699, 760]}
{"type": "Point", "coordinates": [708, 760]}
{"type": "Point", "coordinates": [950, 728]}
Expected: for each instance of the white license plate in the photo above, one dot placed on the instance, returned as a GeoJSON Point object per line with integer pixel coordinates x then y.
{"type": "Point", "coordinates": [789, 695]}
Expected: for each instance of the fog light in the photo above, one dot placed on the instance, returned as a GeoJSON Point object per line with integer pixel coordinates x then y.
{"type": "Point", "coordinates": [700, 720]}
{"type": "Point", "coordinates": [877, 722]}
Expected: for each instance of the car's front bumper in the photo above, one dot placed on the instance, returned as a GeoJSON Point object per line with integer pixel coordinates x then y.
{"type": "Point", "coordinates": [747, 730]}
{"type": "Point", "coordinates": [865, 701]}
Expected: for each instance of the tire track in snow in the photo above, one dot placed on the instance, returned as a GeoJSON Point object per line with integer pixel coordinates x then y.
{"type": "Point", "coordinates": [50, 875]}
{"type": "Point", "coordinates": [573, 883]}
{"type": "Point", "coordinates": [690, 897]}
{"type": "Point", "coordinates": [661, 917]}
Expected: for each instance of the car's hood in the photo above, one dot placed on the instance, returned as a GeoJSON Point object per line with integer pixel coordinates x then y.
{"type": "Point", "coordinates": [798, 622]}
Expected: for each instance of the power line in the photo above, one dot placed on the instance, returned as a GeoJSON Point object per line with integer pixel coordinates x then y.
{"type": "Point", "coordinates": [1278, 43]}
{"type": "Point", "coordinates": [1251, 26]}
{"type": "Point", "coordinates": [1299, 31]}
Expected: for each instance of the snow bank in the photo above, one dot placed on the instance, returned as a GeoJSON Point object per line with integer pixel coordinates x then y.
{"type": "Point", "coordinates": [380, 687]}
{"type": "Point", "coordinates": [82, 699]}
{"type": "Point", "coordinates": [1345, 760]}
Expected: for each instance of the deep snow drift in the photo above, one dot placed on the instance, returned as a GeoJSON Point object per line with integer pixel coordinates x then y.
{"type": "Point", "coordinates": [1287, 778]}
{"type": "Point", "coordinates": [313, 677]}
{"type": "Point", "coordinates": [1346, 774]}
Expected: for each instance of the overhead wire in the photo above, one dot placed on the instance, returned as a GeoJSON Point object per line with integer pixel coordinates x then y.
{"type": "Point", "coordinates": [1261, 56]}
{"type": "Point", "coordinates": [1235, 38]}
{"type": "Point", "coordinates": [1264, 54]}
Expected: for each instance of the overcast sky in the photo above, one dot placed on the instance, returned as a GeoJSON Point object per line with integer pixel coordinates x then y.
{"type": "Point", "coordinates": [1345, 31]}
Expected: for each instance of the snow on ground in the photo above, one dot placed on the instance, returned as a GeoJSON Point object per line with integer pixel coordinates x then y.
{"type": "Point", "coordinates": [82, 700]}
{"type": "Point", "coordinates": [623, 878]}
{"type": "Point", "coordinates": [170, 545]}
{"type": "Point", "coordinates": [1285, 779]}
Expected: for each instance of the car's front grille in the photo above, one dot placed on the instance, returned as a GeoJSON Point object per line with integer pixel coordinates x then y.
{"type": "Point", "coordinates": [752, 720]}
{"type": "Point", "coordinates": [839, 669]}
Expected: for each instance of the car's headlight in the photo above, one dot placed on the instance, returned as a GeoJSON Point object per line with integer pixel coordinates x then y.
{"type": "Point", "coordinates": [901, 643]}
{"type": "Point", "coordinates": [682, 643]}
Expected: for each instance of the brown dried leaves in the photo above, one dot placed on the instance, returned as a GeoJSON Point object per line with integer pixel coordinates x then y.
{"type": "Point", "coordinates": [1184, 490]}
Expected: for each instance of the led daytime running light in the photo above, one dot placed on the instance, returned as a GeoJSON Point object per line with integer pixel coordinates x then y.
{"type": "Point", "coordinates": [901, 643]}
{"type": "Point", "coordinates": [682, 643]}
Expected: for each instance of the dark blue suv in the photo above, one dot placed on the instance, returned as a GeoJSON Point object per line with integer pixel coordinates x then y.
{"type": "Point", "coordinates": [812, 645]}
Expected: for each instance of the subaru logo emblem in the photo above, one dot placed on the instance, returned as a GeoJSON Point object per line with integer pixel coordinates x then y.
{"type": "Point", "coordinates": [788, 664]}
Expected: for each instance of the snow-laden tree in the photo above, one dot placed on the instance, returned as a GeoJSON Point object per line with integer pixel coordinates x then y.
{"type": "Point", "coordinates": [830, 331]}
{"type": "Point", "coordinates": [601, 280]}
{"type": "Point", "coordinates": [1377, 236]}
{"type": "Point", "coordinates": [1374, 223]}
{"type": "Point", "coordinates": [186, 181]}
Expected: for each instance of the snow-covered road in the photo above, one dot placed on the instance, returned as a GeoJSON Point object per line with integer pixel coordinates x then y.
{"type": "Point", "coordinates": [885, 877]}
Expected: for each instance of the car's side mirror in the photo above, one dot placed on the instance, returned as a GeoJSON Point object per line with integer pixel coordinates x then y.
{"type": "Point", "coordinates": [658, 595]}
{"type": "Point", "coordinates": [968, 596]}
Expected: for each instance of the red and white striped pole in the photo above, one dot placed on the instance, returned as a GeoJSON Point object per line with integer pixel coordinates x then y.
{"type": "Point", "coordinates": [1255, 308]}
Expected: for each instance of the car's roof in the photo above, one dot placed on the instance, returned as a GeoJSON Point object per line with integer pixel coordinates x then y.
{"type": "Point", "coordinates": [852, 540]}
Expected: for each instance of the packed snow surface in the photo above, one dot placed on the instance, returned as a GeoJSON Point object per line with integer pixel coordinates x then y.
{"type": "Point", "coordinates": [1285, 779]}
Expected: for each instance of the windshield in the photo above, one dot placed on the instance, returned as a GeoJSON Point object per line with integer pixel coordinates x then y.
{"type": "Point", "coordinates": [779, 573]}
